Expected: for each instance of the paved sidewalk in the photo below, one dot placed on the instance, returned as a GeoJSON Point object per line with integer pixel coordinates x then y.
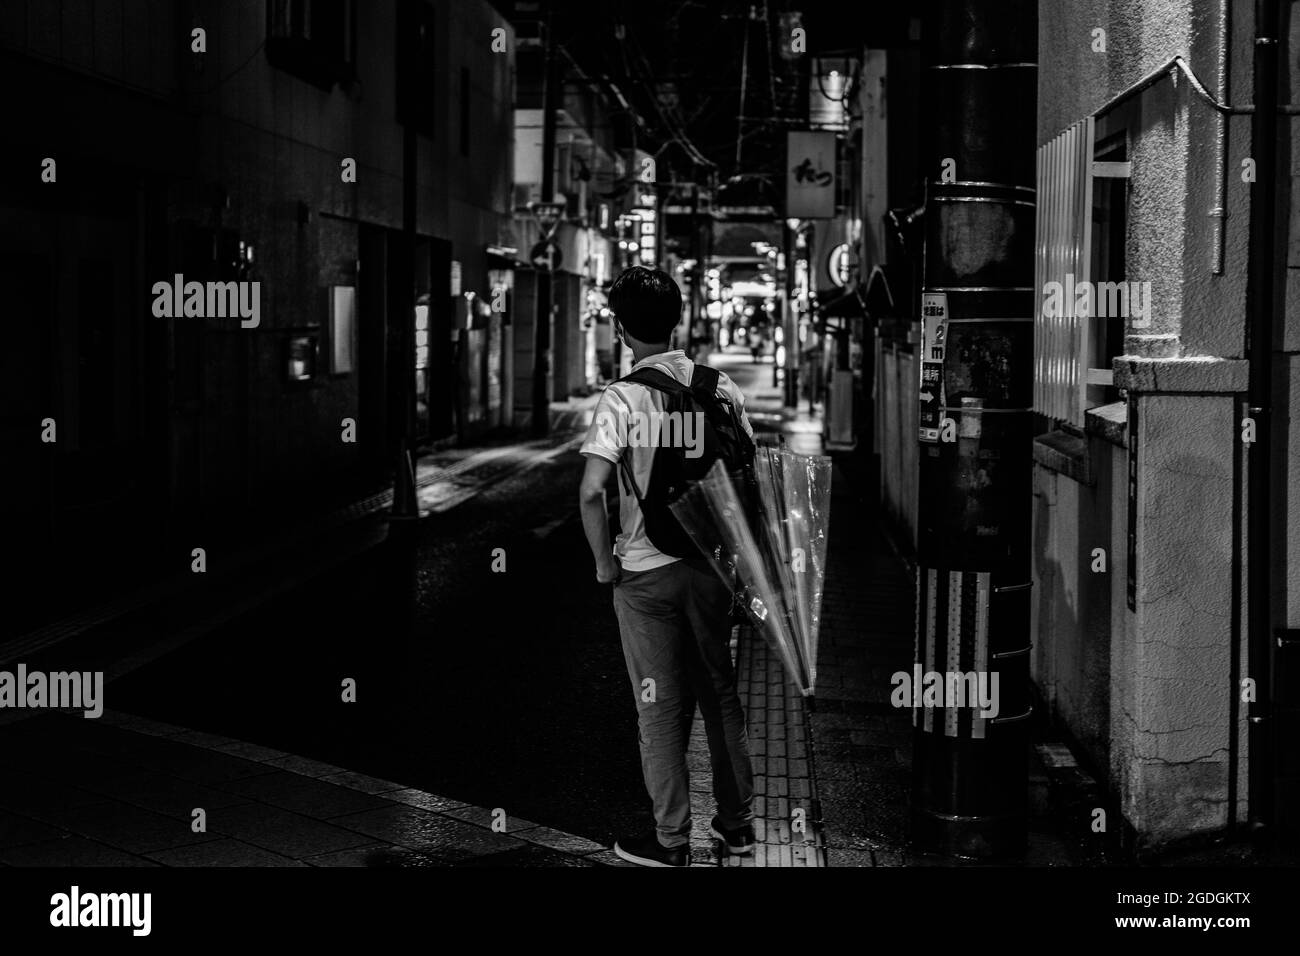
{"type": "Point", "coordinates": [123, 791]}
{"type": "Point", "coordinates": [863, 745]}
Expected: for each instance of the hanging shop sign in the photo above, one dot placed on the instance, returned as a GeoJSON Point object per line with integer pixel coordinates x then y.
{"type": "Point", "coordinates": [810, 175]}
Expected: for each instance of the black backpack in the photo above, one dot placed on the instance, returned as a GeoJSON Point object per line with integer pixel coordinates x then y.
{"type": "Point", "coordinates": [722, 436]}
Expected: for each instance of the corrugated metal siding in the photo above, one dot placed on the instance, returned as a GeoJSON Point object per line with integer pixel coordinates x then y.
{"type": "Point", "coordinates": [899, 419]}
{"type": "Point", "coordinates": [1063, 247]}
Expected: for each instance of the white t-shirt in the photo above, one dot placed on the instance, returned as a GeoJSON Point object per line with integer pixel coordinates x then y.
{"type": "Point", "coordinates": [624, 402]}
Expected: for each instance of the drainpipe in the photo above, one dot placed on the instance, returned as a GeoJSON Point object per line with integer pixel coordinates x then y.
{"type": "Point", "coordinates": [1260, 306]}
{"type": "Point", "coordinates": [1219, 211]}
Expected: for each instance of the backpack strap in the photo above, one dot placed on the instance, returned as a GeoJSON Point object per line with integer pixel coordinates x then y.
{"type": "Point", "coordinates": [704, 380]}
{"type": "Point", "coordinates": [625, 463]}
{"type": "Point", "coordinates": [704, 386]}
{"type": "Point", "coordinates": [660, 381]}
{"type": "Point", "coordinates": [650, 377]}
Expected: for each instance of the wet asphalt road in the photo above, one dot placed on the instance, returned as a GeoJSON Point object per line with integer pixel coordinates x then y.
{"type": "Point", "coordinates": [500, 689]}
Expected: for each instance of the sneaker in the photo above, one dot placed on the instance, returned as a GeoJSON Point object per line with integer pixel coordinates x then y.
{"type": "Point", "coordinates": [648, 851]}
{"type": "Point", "coordinates": [738, 841]}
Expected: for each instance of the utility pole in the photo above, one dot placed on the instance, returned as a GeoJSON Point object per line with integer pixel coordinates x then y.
{"type": "Point", "coordinates": [694, 338]}
{"type": "Point", "coordinates": [405, 501]}
{"type": "Point", "coordinates": [551, 90]}
{"type": "Point", "coordinates": [976, 361]}
{"type": "Point", "coordinates": [744, 82]}
{"type": "Point", "coordinates": [790, 317]}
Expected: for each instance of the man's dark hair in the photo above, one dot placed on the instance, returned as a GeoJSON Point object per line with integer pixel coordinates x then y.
{"type": "Point", "coordinates": [647, 302]}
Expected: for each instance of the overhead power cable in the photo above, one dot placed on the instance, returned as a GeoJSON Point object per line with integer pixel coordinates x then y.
{"type": "Point", "coordinates": [677, 134]}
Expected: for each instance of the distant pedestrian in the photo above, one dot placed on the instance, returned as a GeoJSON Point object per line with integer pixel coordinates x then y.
{"type": "Point", "coordinates": [757, 342]}
{"type": "Point", "coordinates": [674, 612]}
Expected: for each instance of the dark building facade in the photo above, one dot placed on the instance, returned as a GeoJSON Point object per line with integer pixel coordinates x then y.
{"type": "Point", "coordinates": [256, 144]}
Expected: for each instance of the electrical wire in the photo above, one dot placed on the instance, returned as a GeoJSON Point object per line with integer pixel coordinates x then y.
{"type": "Point", "coordinates": [771, 71]}
{"type": "Point", "coordinates": [740, 109]}
{"type": "Point", "coordinates": [678, 133]}
{"type": "Point", "coordinates": [216, 86]}
{"type": "Point", "coordinates": [676, 130]}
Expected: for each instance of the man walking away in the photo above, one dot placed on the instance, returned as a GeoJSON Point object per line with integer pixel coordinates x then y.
{"type": "Point", "coordinates": [673, 612]}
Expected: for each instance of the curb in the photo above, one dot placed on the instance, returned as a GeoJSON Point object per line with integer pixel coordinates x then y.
{"type": "Point", "coordinates": [570, 844]}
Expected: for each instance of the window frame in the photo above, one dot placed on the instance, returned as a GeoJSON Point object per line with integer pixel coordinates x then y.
{"type": "Point", "coordinates": [1068, 347]}
{"type": "Point", "coordinates": [303, 39]}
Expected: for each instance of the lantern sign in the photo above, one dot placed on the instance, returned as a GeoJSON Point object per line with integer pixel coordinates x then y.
{"type": "Point", "coordinates": [839, 264]}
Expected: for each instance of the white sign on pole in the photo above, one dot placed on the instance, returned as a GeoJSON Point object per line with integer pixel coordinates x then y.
{"type": "Point", "coordinates": [548, 216]}
{"type": "Point", "coordinates": [934, 325]}
{"type": "Point", "coordinates": [934, 335]}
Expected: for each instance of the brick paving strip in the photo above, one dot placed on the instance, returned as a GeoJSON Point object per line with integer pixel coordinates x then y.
{"type": "Point", "coordinates": [121, 790]}
{"type": "Point", "coordinates": [783, 773]}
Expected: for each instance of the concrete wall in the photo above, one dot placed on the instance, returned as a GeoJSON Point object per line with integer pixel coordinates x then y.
{"type": "Point", "coordinates": [1079, 595]}
{"type": "Point", "coordinates": [1170, 134]}
{"type": "Point", "coordinates": [1147, 692]}
{"type": "Point", "coordinates": [1172, 699]}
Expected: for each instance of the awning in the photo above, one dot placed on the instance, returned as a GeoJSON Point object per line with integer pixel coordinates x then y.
{"type": "Point", "coordinates": [879, 296]}
{"type": "Point", "coordinates": [503, 257]}
{"type": "Point", "coordinates": [847, 305]}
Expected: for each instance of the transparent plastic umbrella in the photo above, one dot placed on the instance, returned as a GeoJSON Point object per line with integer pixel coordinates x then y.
{"type": "Point", "coordinates": [768, 543]}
